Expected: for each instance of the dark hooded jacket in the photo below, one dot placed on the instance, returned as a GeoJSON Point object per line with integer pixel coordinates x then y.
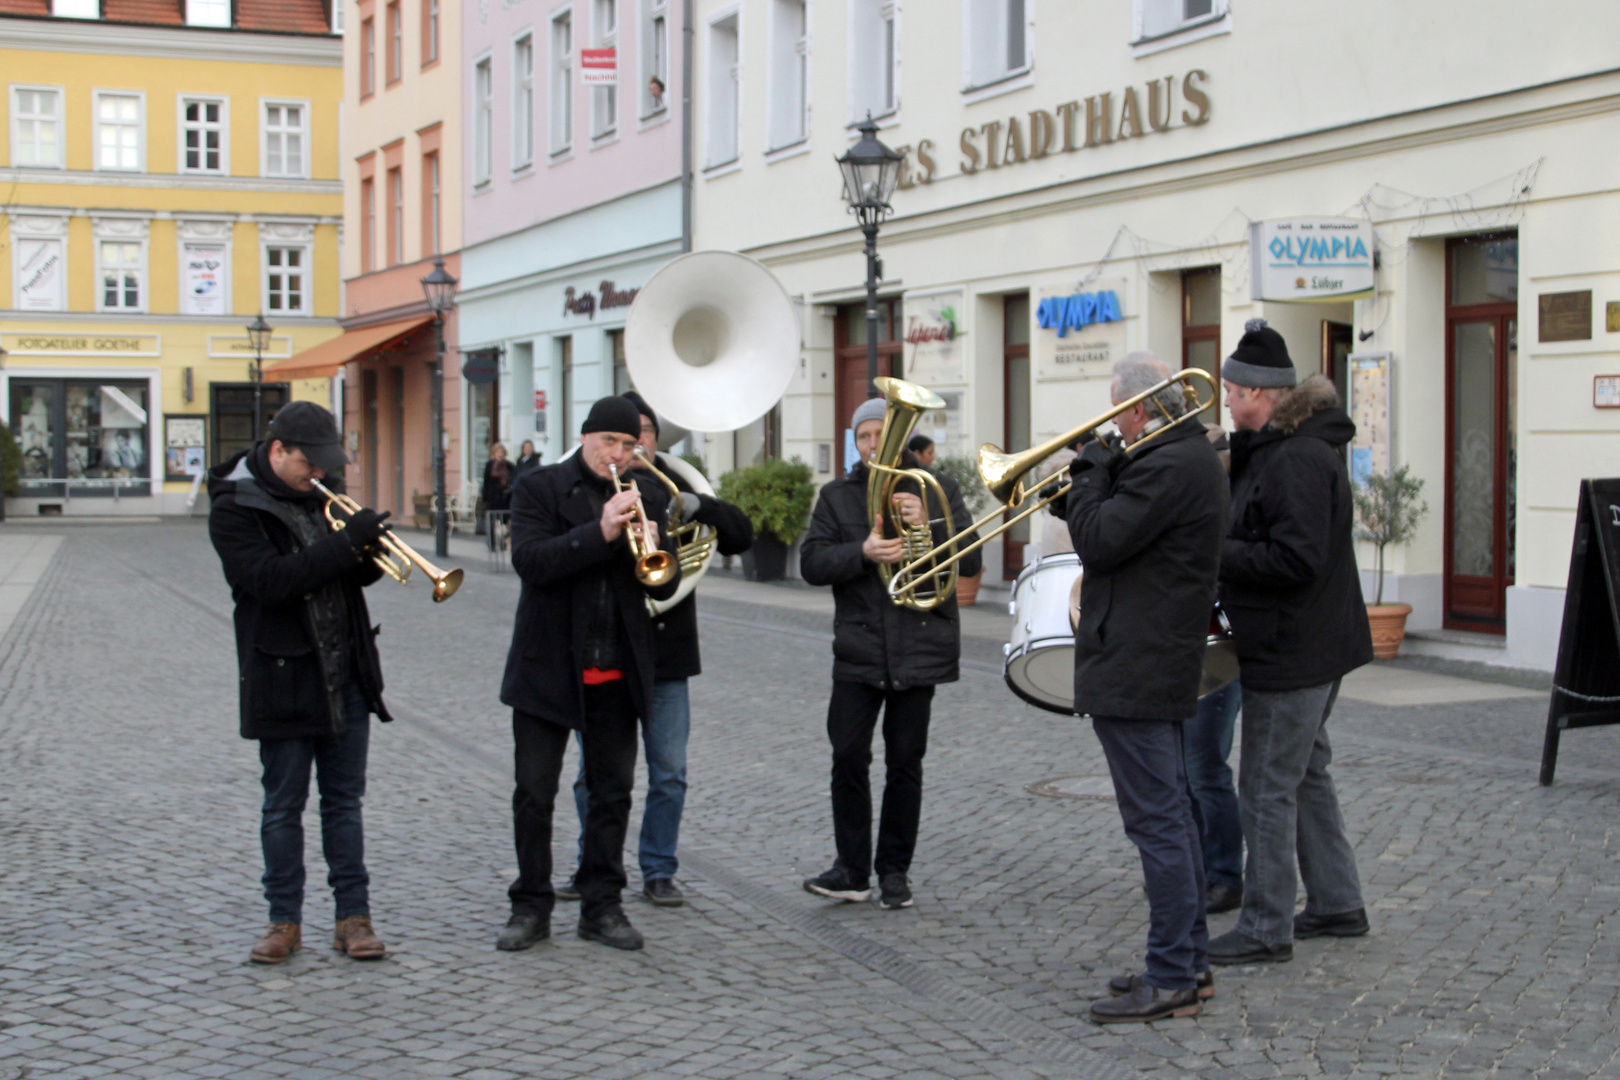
{"type": "Point", "coordinates": [570, 576]}
{"type": "Point", "coordinates": [1148, 532]}
{"type": "Point", "coordinates": [875, 641]}
{"type": "Point", "coordinates": [1289, 581]}
{"type": "Point", "coordinates": [279, 582]}
{"type": "Point", "coordinates": [675, 632]}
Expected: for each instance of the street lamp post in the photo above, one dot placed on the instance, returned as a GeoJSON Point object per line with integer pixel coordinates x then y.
{"type": "Point", "coordinates": [871, 171]}
{"type": "Point", "coordinates": [440, 289]}
{"type": "Point", "coordinates": [258, 332]}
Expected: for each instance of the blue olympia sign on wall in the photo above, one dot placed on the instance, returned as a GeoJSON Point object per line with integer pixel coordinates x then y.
{"type": "Point", "coordinates": [1065, 313]}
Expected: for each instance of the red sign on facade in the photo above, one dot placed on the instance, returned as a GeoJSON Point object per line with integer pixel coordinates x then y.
{"type": "Point", "coordinates": [599, 67]}
{"type": "Point", "coordinates": [539, 401]}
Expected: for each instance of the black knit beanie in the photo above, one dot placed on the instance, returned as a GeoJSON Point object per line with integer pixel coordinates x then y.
{"type": "Point", "coordinates": [613, 414]}
{"type": "Point", "coordinates": [1260, 360]}
{"type": "Point", "coordinates": [644, 409]}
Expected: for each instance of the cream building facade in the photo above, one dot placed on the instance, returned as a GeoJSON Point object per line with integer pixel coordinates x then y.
{"type": "Point", "coordinates": [1085, 179]}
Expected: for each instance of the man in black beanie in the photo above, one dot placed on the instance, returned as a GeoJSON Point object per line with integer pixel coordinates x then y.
{"type": "Point", "coordinates": [1290, 586]}
{"type": "Point", "coordinates": [581, 661]}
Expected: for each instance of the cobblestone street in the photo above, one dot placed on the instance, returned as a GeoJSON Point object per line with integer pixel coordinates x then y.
{"type": "Point", "coordinates": [129, 869]}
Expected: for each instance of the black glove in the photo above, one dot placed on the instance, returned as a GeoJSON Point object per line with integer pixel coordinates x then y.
{"type": "Point", "coordinates": [1095, 454]}
{"type": "Point", "coordinates": [365, 527]}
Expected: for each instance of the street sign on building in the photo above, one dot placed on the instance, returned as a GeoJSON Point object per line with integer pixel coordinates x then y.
{"type": "Point", "coordinates": [599, 67]}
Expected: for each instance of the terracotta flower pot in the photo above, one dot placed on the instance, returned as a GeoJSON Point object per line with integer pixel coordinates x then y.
{"type": "Point", "coordinates": [1388, 622]}
{"type": "Point", "coordinates": [967, 590]}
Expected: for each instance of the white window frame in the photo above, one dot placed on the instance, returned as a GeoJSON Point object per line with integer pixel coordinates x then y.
{"type": "Point", "coordinates": [1184, 32]}
{"type": "Point", "coordinates": [394, 59]}
{"type": "Point", "coordinates": [654, 45]}
{"type": "Point", "coordinates": [435, 204]}
{"type": "Point", "coordinates": [195, 16]}
{"type": "Point", "coordinates": [52, 229]}
{"type": "Point", "coordinates": [396, 214]}
{"type": "Point", "coordinates": [307, 247]}
{"type": "Point", "coordinates": [17, 119]}
{"type": "Point", "coordinates": [869, 52]}
{"type": "Point", "coordinates": [523, 100]}
{"type": "Point", "coordinates": [368, 57]}
{"type": "Point", "coordinates": [96, 99]}
{"type": "Point", "coordinates": [307, 133]}
{"type": "Point", "coordinates": [483, 96]}
{"type": "Point", "coordinates": [337, 16]}
{"type": "Point", "coordinates": [787, 71]}
{"type": "Point", "coordinates": [224, 127]}
{"type": "Point", "coordinates": [714, 156]}
{"type": "Point", "coordinates": [211, 232]}
{"type": "Point", "coordinates": [560, 84]}
{"type": "Point", "coordinates": [605, 99]}
{"type": "Point", "coordinates": [973, 39]}
{"type": "Point", "coordinates": [435, 21]}
{"type": "Point", "coordinates": [143, 269]}
{"type": "Point", "coordinates": [76, 9]}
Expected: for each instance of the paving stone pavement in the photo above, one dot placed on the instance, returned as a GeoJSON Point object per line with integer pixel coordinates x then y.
{"type": "Point", "coordinates": [129, 876]}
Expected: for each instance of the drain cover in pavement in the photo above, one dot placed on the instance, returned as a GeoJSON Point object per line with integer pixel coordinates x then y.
{"type": "Point", "coordinates": [1095, 788]}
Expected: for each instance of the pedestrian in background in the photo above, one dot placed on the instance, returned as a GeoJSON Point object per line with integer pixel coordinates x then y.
{"type": "Point", "coordinates": [922, 447]}
{"type": "Point", "coordinates": [527, 461]}
{"type": "Point", "coordinates": [496, 492]}
{"type": "Point", "coordinates": [1290, 586]}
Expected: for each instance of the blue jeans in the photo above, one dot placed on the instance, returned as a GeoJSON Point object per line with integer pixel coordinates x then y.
{"type": "Point", "coordinates": [1207, 740]}
{"type": "Point", "coordinates": [663, 735]}
{"type": "Point", "coordinates": [1150, 782]}
{"type": "Point", "coordinates": [340, 771]}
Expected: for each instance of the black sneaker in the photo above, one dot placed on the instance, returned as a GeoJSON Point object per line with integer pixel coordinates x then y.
{"type": "Point", "coordinates": [1144, 1004]}
{"type": "Point", "coordinates": [611, 928]}
{"type": "Point", "coordinates": [569, 890]}
{"type": "Point", "coordinates": [1236, 947]}
{"type": "Point", "coordinates": [894, 892]}
{"type": "Point", "coordinates": [1344, 924]}
{"type": "Point", "coordinates": [662, 891]}
{"type": "Point", "coordinates": [1220, 898]}
{"type": "Point", "coordinates": [523, 929]}
{"type": "Point", "coordinates": [839, 884]}
{"type": "Point", "coordinates": [1120, 985]}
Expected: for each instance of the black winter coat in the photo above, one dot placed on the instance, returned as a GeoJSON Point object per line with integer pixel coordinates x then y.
{"type": "Point", "coordinates": [559, 553]}
{"type": "Point", "coordinates": [280, 671]}
{"type": "Point", "coordinates": [1148, 537]}
{"type": "Point", "coordinates": [675, 632]}
{"type": "Point", "coordinates": [875, 641]}
{"type": "Point", "coordinates": [1289, 581]}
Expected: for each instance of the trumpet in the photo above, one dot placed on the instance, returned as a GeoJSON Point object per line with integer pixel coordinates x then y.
{"type": "Point", "coordinates": [1003, 474]}
{"type": "Point", "coordinates": [654, 566]}
{"type": "Point", "coordinates": [395, 557]}
{"type": "Point", "coordinates": [694, 542]}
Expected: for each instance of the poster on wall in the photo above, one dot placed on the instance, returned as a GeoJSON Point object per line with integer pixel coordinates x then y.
{"type": "Point", "coordinates": [1078, 334]}
{"type": "Point", "coordinates": [184, 439]}
{"type": "Point", "coordinates": [202, 280]}
{"type": "Point", "coordinates": [1310, 259]}
{"type": "Point", "coordinates": [933, 338]}
{"type": "Point", "coordinates": [1369, 408]}
{"type": "Point", "coordinates": [39, 274]}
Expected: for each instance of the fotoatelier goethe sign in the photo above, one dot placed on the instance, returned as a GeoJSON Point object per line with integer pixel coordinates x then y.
{"type": "Point", "coordinates": [1311, 259]}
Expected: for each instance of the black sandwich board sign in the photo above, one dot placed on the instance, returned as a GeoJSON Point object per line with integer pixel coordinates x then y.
{"type": "Point", "coordinates": [1586, 682]}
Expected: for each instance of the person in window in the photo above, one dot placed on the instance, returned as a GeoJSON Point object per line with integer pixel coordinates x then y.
{"type": "Point", "coordinates": [655, 88]}
{"type": "Point", "coordinates": [527, 460]}
{"type": "Point", "coordinates": [497, 489]}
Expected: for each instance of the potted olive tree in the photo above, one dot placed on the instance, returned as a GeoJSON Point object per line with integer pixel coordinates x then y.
{"type": "Point", "coordinates": [776, 495]}
{"type": "Point", "coordinates": [1388, 509]}
{"type": "Point", "coordinates": [10, 468]}
{"type": "Point", "coordinates": [976, 497]}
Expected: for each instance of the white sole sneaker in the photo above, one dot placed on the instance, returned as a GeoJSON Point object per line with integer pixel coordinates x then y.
{"type": "Point", "coordinates": [853, 896]}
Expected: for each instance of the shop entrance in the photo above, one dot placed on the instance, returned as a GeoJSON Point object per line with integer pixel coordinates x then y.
{"type": "Point", "coordinates": [1482, 293]}
{"type": "Point", "coordinates": [81, 436]}
{"type": "Point", "coordinates": [850, 353]}
{"type": "Point", "coordinates": [1015, 419]}
{"type": "Point", "coordinates": [231, 418]}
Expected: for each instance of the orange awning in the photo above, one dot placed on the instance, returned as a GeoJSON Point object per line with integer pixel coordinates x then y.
{"type": "Point", "coordinates": [324, 360]}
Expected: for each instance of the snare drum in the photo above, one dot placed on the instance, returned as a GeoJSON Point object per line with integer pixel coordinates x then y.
{"type": "Point", "coordinates": [1039, 664]}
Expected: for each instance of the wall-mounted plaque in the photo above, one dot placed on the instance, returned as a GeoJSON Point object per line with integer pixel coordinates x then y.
{"type": "Point", "coordinates": [1611, 316]}
{"type": "Point", "coordinates": [1565, 316]}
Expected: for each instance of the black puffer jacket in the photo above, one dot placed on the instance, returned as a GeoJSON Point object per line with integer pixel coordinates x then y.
{"type": "Point", "coordinates": [558, 551]}
{"type": "Point", "coordinates": [1288, 568]}
{"type": "Point", "coordinates": [675, 632]}
{"type": "Point", "coordinates": [1148, 537]}
{"type": "Point", "coordinates": [876, 641]}
{"type": "Point", "coordinates": [273, 577]}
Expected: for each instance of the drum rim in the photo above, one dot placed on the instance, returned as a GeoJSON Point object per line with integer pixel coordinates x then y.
{"type": "Point", "coordinates": [1054, 560]}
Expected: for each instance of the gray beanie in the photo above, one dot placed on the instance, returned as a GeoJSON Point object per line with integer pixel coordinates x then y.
{"type": "Point", "coordinates": [873, 408]}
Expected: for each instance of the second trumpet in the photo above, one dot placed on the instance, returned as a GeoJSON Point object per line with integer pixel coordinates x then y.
{"type": "Point", "coordinates": [654, 565]}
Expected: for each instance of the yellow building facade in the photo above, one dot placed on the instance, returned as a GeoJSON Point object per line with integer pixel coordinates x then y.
{"type": "Point", "coordinates": [161, 185]}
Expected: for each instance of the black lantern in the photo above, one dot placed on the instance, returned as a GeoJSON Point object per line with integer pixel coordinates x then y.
{"type": "Point", "coordinates": [871, 171]}
{"type": "Point", "coordinates": [258, 332]}
{"type": "Point", "coordinates": [440, 289]}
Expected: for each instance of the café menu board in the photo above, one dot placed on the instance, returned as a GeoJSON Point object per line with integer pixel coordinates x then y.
{"type": "Point", "coordinates": [1369, 408]}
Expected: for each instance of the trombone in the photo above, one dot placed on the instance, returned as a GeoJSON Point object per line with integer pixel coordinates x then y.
{"type": "Point", "coordinates": [395, 557]}
{"type": "Point", "coordinates": [654, 566]}
{"type": "Point", "coordinates": [1004, 473]}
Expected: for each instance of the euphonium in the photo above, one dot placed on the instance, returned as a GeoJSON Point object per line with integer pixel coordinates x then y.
{"type": "Point", "coordinates": [395, 557]}
{"type": "Point", "coordinates": [654, 565]}
{"type": "Point", "coordinates": [921, 583]}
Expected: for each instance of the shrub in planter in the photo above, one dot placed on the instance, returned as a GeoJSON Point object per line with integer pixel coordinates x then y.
{"type": "Point", "coordinates": [776, 495]}
{"type": "Point", "coordinates": [1388, 509]}
{"type": "Point", "coordinates": [10, 467]}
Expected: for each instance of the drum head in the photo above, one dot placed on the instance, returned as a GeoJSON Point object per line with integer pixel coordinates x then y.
{"type": "Point", "coordinates": [1043, 674]}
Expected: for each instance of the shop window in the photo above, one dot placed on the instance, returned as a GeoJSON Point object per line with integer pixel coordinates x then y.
{"type": "Point", "coordinates": [286, 129]}
{"type": "Point", "coordinates": [202, 135]}
{"type": "Point", "coordinates": [853, 385]}
{"type": "Point", "coordinates": [523, 102]}
{"type": "Point", "coordinates": [368, 57]}
{"type": "Point", "coordinates": [120, 146]}
{"type": "Point", "coordinates": [562, 83]}
{"type": "Point", "coordinates": [36, 127]}
{"type": "Point", "coordinates": [721, 122]}
{"type": "Point", "coordinates": [286, 279]}
{"type": "Point", "coordinates": [604, 99]}
{"type": "Point", "coordinates": [483, 121]}
{"type": "Point", "coordinates": [1201, 327]}
{"type": "Point", "coordinates": [997, 41]}
{"type": "Point", "coordinates": [1162, 18]}
{"type": "Point", "coordinates": [654, 57]}
{"type": "Point", "coordinates": [123, 275]}
{"type": "Point", "coordinates": [81, 436]}
{"type": "Point", "coordinates": [787, 105]}
{"type": "Point", "coordinates": [873, 75]}
{"type": "Point", "coordinates": [208, 12]}
{"type": "Point", "coordinates": [564, 436]}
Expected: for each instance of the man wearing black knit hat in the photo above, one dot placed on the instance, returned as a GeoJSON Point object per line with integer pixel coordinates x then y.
{"type": "Point", "coordinates": [581, 660]}
{"type": "Point", "coordinates": [1290, 586]}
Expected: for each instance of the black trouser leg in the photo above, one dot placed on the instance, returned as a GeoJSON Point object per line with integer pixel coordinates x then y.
{"type": "Point", "coordinates": [539, 754]}
{"type": "Point", "coordinates": [905, 741]}
{"type": "Point", "coordinates": [610, 739]}
{"type": "Point", "coordinates": [852, 713]}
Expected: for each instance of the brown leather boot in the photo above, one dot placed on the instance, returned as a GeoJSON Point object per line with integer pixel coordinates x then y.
{"type": "Point", "coordinates": [354, 937]}
{"type": "Point", "coordinates": [279, 942]}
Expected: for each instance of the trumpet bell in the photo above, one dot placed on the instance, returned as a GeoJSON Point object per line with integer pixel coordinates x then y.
{"type": "Point", "coordinates": [655, 569]}
{"type": "Point", "coordinates": [445, 585]}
